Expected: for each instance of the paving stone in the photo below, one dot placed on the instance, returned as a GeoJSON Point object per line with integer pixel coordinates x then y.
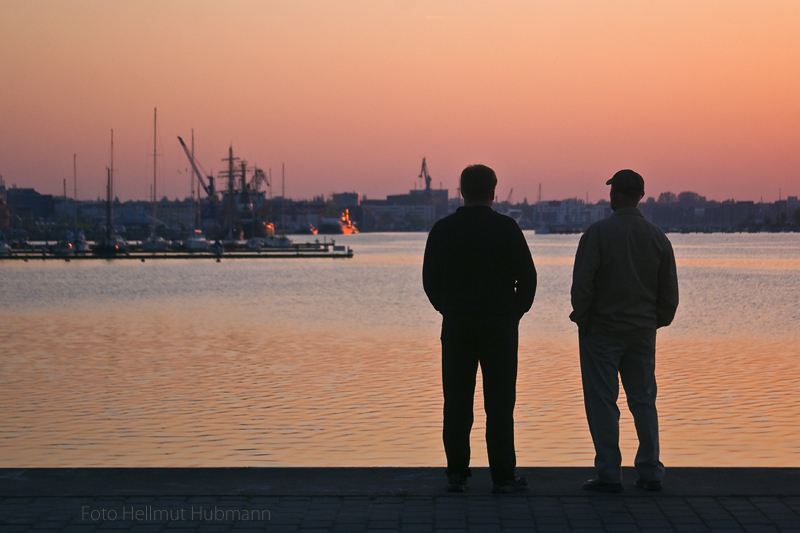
{"type": "Point", "coordinates": [347, 528]}
{"type": "Point", "coordinates": [383, 524]}
{"type": "Point", "coordinates": [147, 528]}
{"type": "Point", "coordinates": [484, 528]}
{"type": "Point", "coordinates": [13, 528]}
{"type": "Point", "coordinates": [584, 524]}
{"type": "Point", "coordinates": [690, 528]}
{"type": "Point", "coordinates": [760, 528]}
{"type": "Point", "coordinates": [416, 528]}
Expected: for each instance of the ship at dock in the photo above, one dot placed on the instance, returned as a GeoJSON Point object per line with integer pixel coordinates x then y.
{"type": "Point", "coordinates": [238, 213]}
{"type": "Point", "coordinates": [337, 225]}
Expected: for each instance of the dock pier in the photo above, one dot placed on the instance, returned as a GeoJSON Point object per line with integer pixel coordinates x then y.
{"type": "Point", "coordinates": [304, 250]}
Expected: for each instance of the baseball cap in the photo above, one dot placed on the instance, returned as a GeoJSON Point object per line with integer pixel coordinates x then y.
{"type": "Point", "coordinates": [627, 181]}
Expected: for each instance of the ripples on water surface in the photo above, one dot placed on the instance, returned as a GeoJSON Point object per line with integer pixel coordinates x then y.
{"type": "Point", "coordinates": [336, 362]}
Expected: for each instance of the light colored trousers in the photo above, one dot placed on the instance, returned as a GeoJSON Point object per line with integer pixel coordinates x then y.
{"type": "Point", "coordinates": [602, 360]}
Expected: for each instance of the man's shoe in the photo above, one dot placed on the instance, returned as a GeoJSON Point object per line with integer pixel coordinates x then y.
{"type": "Point", "coordinates": [516, 484]}
{"type": "Point", "coordinates": [654, 485]}
{"type": "Point", "coordinates": [597, 485]}
{"type": "Point", "coordinates": [456, 484]}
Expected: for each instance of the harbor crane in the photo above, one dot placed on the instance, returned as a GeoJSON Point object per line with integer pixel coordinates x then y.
{"type": "Point", "coordinates": [424, 174]}
{"type": "Point", "coordinates": [209, 189]}
{"type": "Point", "coordinates": [258, 177]}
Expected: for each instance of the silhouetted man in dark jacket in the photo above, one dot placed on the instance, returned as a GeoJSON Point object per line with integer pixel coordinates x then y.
{"type": "Point", "coordinates": [479, 274]}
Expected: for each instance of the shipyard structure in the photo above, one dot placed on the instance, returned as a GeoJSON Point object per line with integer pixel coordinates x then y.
{"type": "Point", "coordinates": [246, 207]}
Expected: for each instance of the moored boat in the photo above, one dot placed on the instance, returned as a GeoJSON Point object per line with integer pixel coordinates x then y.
{"type": "Point", "coordinates": [196, 242]}
{"type": "Point", "coordinates": [63, 248]}
{"type": "Point", "coordinates": [110, 246]}
{"type": "Point", "coordinates": [154, 243]}
{"type": "Point", "coordinates": [337, 226]}
{"type": "Point", "coordinates": [79, 243]}
{"type": "Point", "coordinates": [277, 242]}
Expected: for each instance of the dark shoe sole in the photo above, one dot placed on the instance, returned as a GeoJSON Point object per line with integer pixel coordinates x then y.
{"type": "Point", "coordinates": [518, 484]}
{"type": "Point", "coordinates": [456, 487]}
{"type": "Point", "coordinates": [652, 486]}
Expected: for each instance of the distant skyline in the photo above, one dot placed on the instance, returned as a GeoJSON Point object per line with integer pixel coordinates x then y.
{"type": "Point", "coordinates": [350, 95]}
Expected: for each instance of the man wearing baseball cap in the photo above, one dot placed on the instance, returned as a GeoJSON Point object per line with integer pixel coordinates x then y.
{"type": "Point", "coordinates": [624, 287]}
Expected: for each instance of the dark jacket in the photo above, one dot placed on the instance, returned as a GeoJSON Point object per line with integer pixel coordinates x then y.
{"type": "Point", "coordinates": [477, 262]}
{"type": "Point", "coordinates": [624, 281]}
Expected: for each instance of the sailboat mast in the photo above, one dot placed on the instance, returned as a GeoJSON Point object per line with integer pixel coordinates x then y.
{"type": "Point", "coordinates": [111, 169]}
{"type": "Point", "coordinates": [155, 194]}
{"type": "Point", "coordinates": [230, 191]}
{"type": "Point", "coordinates": [191, 175]}
{"type": "Point", "coordinates": [75, 184]}
{"type": "Point", "coordinates": [109, 214]}
{"type": "Point", "coordinates": [111, 189]}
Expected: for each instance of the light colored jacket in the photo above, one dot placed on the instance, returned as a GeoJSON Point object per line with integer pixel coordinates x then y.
{"type": "Point", "coordinates": [624, 282]}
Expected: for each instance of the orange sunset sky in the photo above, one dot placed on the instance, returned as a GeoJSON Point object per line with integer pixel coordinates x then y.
{"type": "Point", "coordinates": [350, 95]}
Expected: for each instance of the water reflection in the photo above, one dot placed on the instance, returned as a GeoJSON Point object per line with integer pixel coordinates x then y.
{"type": "Point", "coordinates": [337, 363]}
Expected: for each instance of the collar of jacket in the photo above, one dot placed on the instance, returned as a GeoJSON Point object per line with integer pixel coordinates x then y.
{"type": "Point", "coordinates": [474, 208]}
{"type": "Point", "coordinates": [628, 211]}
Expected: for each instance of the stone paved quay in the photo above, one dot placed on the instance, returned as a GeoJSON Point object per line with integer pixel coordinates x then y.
{"type": "Point", "coordinates": [85, 500]}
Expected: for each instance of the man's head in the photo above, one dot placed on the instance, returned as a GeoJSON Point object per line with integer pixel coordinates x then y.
{"type": "Point", "coordinates": [627, 188]}
{"type": "Point", "coordinates": [477, 185]}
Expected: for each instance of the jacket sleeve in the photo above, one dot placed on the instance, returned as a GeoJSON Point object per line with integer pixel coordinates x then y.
{"type": "Point", "coordinates": [526, 275]}
{"type": "Point", "coordinates": [667, 301]}
{"type": "Point", "coordinates": [587, 261]}
{"type": "Point", "coordinates": [432, 270]}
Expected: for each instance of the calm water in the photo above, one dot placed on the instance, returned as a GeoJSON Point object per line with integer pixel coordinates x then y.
{"type": "Point", "coordinates": [336, 362]}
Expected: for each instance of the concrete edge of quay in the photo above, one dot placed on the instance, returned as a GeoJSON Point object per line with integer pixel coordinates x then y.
{"type": "Point", "coordinates": [373, 481]}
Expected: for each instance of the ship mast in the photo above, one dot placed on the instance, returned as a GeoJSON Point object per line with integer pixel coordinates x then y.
{"type": "Point", "coordinates": [231, 176]}
{"type": "Point", "coordinates": [109, 213]}
{"type": "Point", "coordinates": [155, 194]}
{"type": "Point", "coordinates": [75, 185]}
{"type": "Point", "coordinates": [110, 210]}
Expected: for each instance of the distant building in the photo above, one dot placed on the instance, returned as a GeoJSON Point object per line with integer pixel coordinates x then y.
{"type": "Point", "coordinates": [347, 199]}
{"type": "Point", "coordinates": [29, 204]}
{"type": "Point", "coordinates": [567, 216]}
{"type": "Point", "coordinates": [5, 215]}
{"type": "Point", "coordinates": [380, 215]}
{"type": "Point", "coordinates": [416, 211]}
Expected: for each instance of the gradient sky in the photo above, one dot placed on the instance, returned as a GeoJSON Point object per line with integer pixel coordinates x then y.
{"type": "Point", "coordinates": [350, 95]}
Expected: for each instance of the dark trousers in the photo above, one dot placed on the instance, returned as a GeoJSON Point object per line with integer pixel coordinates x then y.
{"type": "Point", "coordinates": [603, 359]}
{"type": "Point", "coordinates": [468, 341]}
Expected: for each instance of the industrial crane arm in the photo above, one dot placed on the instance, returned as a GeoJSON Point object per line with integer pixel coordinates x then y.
{"type": "Point", "coordinates": [205, 187]}
{"type": "Point", "coordinates": [424, 173]}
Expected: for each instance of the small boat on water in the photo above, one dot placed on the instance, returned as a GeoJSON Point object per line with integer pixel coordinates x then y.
{"type": "Point", "coordinates": [63, 248]}
{"type": "Point", "coordinates": [305, 229]}
{"type": "Point", "coordinates": [234, 240]}
{"type": "Point", "coordinates": [277, 242]}
{"type": "Point", "coordinates": [256, 243]}
{"type": "Point", "coordinates": [337, 226]}
{"type": "Point", "coordinates": [154, 243]}
{"type": "Point", "coordinates": [110, 246]}
{"type": "Point", "coordinates": [5, 249]}
{"type": "Point", "coordinates": [79, 243]}
{"type": "Point", "coordinates": [196, 242]}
